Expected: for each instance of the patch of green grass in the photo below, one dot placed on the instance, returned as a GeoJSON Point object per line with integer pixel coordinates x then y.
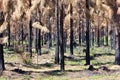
{"type": "Point", "coordinates": [48, 65]}
{"type": "Point", "coordinates": [8, 51]}
{"type": "Point", "coordinates": [2, 78]}
{"type": "Point", "coordinates": [72, 62]}
{"type": "Point", "coordinates": [27, 77]}
{"type": "Point", "coordinates": [11, 57]}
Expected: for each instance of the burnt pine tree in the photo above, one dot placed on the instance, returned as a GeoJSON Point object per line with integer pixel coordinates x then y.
{"type": "Point", "coordinates": [87, 34]}
{"type": "Point", "coordinates": [49, 34]}
{"type": "Point", "coordinates": [83, 31]}
{"type": "Point", "coordinates": [30, 34]}
{"type": "Point", "coordinates": [30, 38]}
{"type": "Point", "coordinates": [2, 66]}
{"type": "Point", "coordinates": [116, 19]}
{"type": "Point", "coordinates": [98, 33]}
{"type": "Point", "coordinates": [36, 36]}
{"type": "Point", "coordinates": [9, 34]}
{"type": "Point", "coordinates": [79, 25]}
{"type": "Point", "coordinates": [106, 36]}
{"type": "Point", "coordinates": [93, 37]}
{"type": "Point", "coordinates": [71, 30]}
{"type": "Point", "coordinates": [39, 42]}
{"type": "Point", "coordinates": [57, 34]}
{"type": "Point", "coordinates": [62, 68]}
{"type": "Point", "coordinates": [22, 34]}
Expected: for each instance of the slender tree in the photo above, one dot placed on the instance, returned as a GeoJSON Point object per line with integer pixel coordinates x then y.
{"type": "Point", "coordinates": [71, 30]}
{"type": "Point", "coordinates": [49, 34]}
{"type": "Point", "coordinates": [83, 32]}
{"type": "Point", "coordinates": [9, 32]}
{"type": "Point", "coordinates": [106, 36]}
{"type": "Point", "coordinates": [36, 36]}
{"type": "Point", "coordinates": [93, 37]}
{"type": "Point", "coordinates": [79, 25]}
{"type": "Point", "coordinates": [39, 42]}
{"type": "Point", "coordinates": [87, 34]}
{"type": "Point", "coordinates": [2, 65]}
{"type": "Point", "coordinates": [57, 33]}
{"type": "Point", "coordinates": [30, 33]}
{"type": "Point", "coordinates": [22, 34]}
{"type": "Point", "coordinates": [98, 33]}
{"type": "Point", "coordinates": [61, 39]}
{"type": "Point", "coordinates": [30, 38]}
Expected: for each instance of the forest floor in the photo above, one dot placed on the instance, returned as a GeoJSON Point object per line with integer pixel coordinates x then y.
{"type": "Point", "coordinates": [43, 67]}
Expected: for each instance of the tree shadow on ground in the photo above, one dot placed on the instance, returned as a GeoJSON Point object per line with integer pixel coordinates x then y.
{"type": "Point", "coordinates": [101, 63]}
{"type": "Point", "coordinates": [103, 54]}
{"type": "Point", "coordinates": [20, 71]}
{"type": "Point", "coordinates": [11, 64]}
{"type": "Point", "coordinates": [51, 73]}
{"type": "Point", "coordinates": [38, 66]}
{"type": "Point", "coordinates": [60, 73]}
{"type": "Point", "coordinates": [78, 59]}
{"type": "Point", "coordinates": [72, 58]}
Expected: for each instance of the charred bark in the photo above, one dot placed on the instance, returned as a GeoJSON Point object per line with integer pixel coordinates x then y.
{"type": "Point", "coordinates": [2, 66]}
{"type": "Point", "coordinates": [71, 30]}
{"type": "Point", "coordinates": [62, 68]}
{"type": "Point", "coordinates": [87, 36]}
{"type": "Point", "coordinates": [9, 32]}
{"type": "Point", "coordinates": [57, 33]}
{"type": "Point", "coordinates": [30, 38]}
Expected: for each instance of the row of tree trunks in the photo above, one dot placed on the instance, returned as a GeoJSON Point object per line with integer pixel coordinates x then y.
{"type": "Point", "coordinates": [59, 36]}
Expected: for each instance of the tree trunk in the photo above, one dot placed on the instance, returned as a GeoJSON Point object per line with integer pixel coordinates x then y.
{"type": "Point", "coordinates": [87, 36]}
{"type": "Point", "coordinates": [57, 34]}
{"type": "Point", "coordinates": [112, 37]}
{"type": "Point", "coordinates": [36, 38]}
{"type": "Point", "coordinates": [83, 32]}
{"type": "Point", "coordinates": [42, 40]}
{"type": "Point", "coordinates": [65, 41]}
{"type": "Point", "coordinates": [2, 66]}
{"type": "Point", "coordinates": [39, 42]}
{"type": "Point", "coordinates": [106, 37]}
{"type": "Point", "coordinates": [95, 34]}
{"type": "Point", "coordinates": [93, 37]}
{"type": "Point", "coordinates": [79, 25]}
{"type": "Point", "coordinates": [117, 51]}
{"type": "Point", "coordinates": [71, 30]}
{"type": "Point", "coordinates": [61, 40]}
{"type": "Point", "coordinates": [49, 34]}
{"type": "Point", "coordinates": [98, 37]}
{"type": "Point", "coordinates": [22, 34]}
{"type": "Point", "coordinates": [30, 38]}
{"type": "Point", "coordinates": [9, 32]}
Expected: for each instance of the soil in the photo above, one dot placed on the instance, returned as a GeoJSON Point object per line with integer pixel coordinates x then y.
{"type": "Point", "coordinates": [43, 68]}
